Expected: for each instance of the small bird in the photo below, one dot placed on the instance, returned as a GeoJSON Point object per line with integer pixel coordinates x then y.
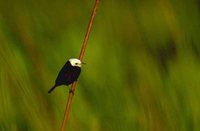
{"type": "Point", "coordinates": [68, 74]}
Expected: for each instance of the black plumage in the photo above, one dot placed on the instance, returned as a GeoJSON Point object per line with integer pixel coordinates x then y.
{"type": "Point", "coordinates": [67, 75]}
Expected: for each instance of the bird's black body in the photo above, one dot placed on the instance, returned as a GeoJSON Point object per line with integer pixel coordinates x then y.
{"type": "Point", "coordinates": [67, 75]}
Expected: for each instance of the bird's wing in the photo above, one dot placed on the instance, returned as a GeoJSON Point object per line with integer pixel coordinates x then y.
{"type": "Point", "coordinates": [61, 78]}
{"type": "Point", "coordinates": [68, 74]}
{"type": "Point", "coordinates": [65, 68]}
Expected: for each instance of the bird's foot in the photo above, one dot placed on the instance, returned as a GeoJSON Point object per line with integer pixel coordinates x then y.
{"type": "Point", "coordinates": [71, 91]}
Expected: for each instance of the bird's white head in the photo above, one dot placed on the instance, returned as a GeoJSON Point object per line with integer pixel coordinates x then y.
{"type": "Point", "coordinates": [75, 62]}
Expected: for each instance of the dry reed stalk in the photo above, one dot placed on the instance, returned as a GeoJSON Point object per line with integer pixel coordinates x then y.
{"type": "Point", "coordinates": [84, 44]}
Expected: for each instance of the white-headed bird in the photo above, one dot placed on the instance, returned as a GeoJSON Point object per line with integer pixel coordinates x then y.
{"type": "Point", "coordinates": [68, 74]}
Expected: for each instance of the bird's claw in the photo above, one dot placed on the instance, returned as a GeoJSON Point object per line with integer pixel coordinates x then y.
{"type": "Point", "coordinates": [71, 91]}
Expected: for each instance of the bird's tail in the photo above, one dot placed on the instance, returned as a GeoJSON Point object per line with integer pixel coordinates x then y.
{"type": "Point", "coordinates": [52, 89]}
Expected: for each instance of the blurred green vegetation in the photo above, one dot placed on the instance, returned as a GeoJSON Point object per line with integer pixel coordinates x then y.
{"type": "Point", "coordinates": [142, 72]}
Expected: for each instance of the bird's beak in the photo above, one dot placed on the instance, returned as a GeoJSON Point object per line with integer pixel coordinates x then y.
{"type": "Point", "coordinates": [83, 63]}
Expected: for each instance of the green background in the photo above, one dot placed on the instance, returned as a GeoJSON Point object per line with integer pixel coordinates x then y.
{"type": "Point", "coordinates": [142, 72]}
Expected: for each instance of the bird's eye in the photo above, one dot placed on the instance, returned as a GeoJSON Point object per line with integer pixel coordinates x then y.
{"type": "Point", "coordinates": [76, 63]}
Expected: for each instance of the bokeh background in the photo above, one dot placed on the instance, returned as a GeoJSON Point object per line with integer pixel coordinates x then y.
{"type": "Point", "coordinates": [142, 72]}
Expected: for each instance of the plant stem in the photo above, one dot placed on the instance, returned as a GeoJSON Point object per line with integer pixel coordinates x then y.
{"type": "Point", "coordinates": [88, 30]}
{"type": "Point", "coordinates": [84, 44]}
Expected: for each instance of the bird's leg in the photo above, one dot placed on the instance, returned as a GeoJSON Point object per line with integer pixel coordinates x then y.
{"type": "Point", "coordinates": [72, 90]}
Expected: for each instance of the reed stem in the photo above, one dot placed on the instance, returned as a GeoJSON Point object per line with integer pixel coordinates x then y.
{"type": "Point", "coordinates": [84, 44]}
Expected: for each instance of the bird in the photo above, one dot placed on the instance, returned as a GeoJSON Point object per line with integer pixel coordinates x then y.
{"type": "Point", "coordinates": [68, 74]}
